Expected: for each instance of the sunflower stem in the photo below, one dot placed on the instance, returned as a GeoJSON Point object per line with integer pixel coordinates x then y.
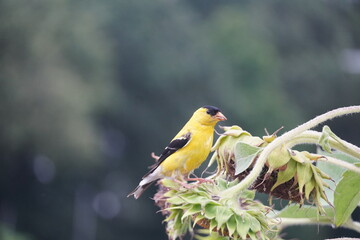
{"type": "Point", "coordinates": [286, 222]}
{"type": "Point", "coordinates": [286, 137]}
{"type": "Point", "coordinates": [340, 163]}
{"type": "Point", "coordinates": [312, 137]}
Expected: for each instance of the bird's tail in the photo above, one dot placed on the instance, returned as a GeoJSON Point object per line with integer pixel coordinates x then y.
{"type": "Point", "coordinates": [140, 189]}
{"type": "Point", "coordinates": [147, 181]}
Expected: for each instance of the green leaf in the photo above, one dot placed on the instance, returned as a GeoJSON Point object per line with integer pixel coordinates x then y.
{"type": "Point", "coordinates": [196, 208]}
{"type": "Point", "coordinates": [334, 171]}
{"type": "Point", "coordinates": [309, 186]}
{"type": "Point", "coordinates": [222, 184]}
{"type": "Point", "coordinates": [235, 131]}
{"type": "Point", "coordinates": [253, 236]}
{"type": "Point", "coordinates": [231, 225]}
{"type": "Point", "coordinates": [178, 223]}
{"type": "Point", "coordinates": [210, 211]}
{"type": "Point", "coordinates": [222, 215]}
{"type": "Point", "coordinates": [332, 135]}
{"type": "Point", "coordinates": [213, 224]}
{"type": "Point", "coordinates": [254, 225]}
{"type": "Point", "coordinates": [185, 227]}
{"type": "Point", "coordinates": [242, 226]}
{"type": "Point", "coordinates": [244, 156]}
{"type": "Point", "coordinates": [218, 142]}
{"type": "Point", "coordinates": [304, 174]}
{"type": "Point", "coordinates": [322, 174]}
{"type": "Point", "coordinates": [319, 188]}
{"type": "Point", "coordinates": [278, 157]}
{"type": "Point", "coordinates": [193, 198]}
{"type": "Point", "coordinates": [176, 200]}
{"type": "Point", "coordinates": [213, 158]}
{"type": "Point", "coordinates": [252, 140]}
{"type": "Point", "coordinates": [172, 215]}
{"type": "Point", "coordinates": [324, 139]}
{"type": "Point", "coordinates": [298, 156]}
{"type": "Point", "coordinates": [232, 183]}
{"type": "Point", "coordinates": [170, 193]}
{"type": "Point", "coordinates": [197, 219]}
{"type": "Point", "coordinates": [248, 194]}
{"type": "Point", "coordinates": [211, 236]}
{"type": "Point", "coordinates": [347, 196]}
{"type": "Point", "coordinates": [286, 175]}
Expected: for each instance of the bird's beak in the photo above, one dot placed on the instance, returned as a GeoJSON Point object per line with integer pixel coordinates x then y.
{"type": "Point", "coordinates": [219, 116]}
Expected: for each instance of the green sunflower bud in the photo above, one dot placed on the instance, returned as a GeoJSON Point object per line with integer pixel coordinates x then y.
{"type": "Point", "coordinates": [278, 158]}
{"type": "Point", "coordinates": [236, 146]}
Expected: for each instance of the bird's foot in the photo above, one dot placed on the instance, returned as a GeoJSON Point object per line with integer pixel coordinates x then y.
{"type": "Point", "coordinates": [200, 180]}
{"type": "Point", "coordinates": [184, 184]}
{"type": "Point", "coordinates": [193, 185]}
{"type": "Point", "coordinates": [154, 156]}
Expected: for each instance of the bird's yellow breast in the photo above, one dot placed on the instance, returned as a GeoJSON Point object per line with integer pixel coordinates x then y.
{"type": "Point", "coordinates": [192, 155]}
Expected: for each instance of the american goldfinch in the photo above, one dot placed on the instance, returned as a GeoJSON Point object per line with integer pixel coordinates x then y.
{"type": "Point", "coordinates": [188, 149]}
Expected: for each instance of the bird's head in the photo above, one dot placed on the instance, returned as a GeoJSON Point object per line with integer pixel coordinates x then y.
{"type": "Point", "coordinates": [209, 115]}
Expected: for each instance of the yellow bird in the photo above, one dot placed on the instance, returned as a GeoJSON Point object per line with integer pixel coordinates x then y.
{"type": "Point", "coordinates": [188, 149]}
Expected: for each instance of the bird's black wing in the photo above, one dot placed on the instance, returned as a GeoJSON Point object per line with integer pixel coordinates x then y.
{"type": "Point", "coordinates": [173, 146]}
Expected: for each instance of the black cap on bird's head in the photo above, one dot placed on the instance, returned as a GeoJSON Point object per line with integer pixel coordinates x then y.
{"type": "Point", "coordinates": [211, 110]}
{"type": "Point", "coordinates": [214, 112]}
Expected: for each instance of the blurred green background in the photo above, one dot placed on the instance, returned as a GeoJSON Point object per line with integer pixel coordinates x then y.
{"type": "Point", "coordinates": [88, 89]}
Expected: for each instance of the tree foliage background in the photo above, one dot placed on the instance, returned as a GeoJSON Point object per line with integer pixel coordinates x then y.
{"type": "Point", "coordinates": [89, 88]}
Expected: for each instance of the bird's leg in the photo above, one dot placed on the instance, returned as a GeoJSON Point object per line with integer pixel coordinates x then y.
{"type": "Point", "coordinates": [199, 180]}
{"type": "Point", "coordinates": [184, 184]}
{"type": "Point", "coordinates": [183, 181]}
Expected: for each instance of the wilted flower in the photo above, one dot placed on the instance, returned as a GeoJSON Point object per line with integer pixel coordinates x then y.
{"type": "Point", "coordinates": [202, 205]}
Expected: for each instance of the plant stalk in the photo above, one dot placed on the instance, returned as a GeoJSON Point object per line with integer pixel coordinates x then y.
{"type": "Point", "coordinates": [285, 222]}
{"type": "Point", "coordinates": [340, 163]}
{"type": "Point", "coordinates": [312, 137]}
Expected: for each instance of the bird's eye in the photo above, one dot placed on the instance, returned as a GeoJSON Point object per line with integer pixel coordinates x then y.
{"type": "Point", "coordinates": [212, 112]}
